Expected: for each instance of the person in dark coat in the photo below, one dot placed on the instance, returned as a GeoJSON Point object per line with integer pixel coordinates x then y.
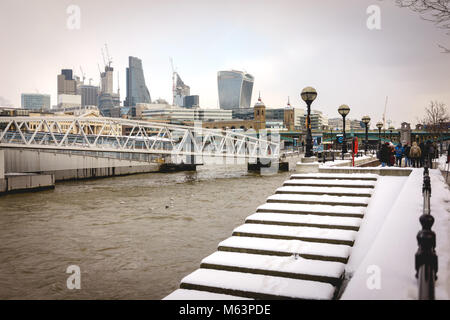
{"type": "Point", "coordinates": [407, 149]}
{"type": "Point", "coordinates": [422, 152]}
{"type": "Point", "coordinates": [384, 154]}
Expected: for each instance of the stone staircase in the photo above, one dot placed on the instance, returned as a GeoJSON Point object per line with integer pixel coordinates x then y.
{"type": "Point", "coordinates": [294, 247]}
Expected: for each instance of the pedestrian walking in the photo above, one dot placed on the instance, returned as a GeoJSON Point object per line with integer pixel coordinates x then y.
{"type": "Point", "coordinates": [407, 149]}
{"type": "Point", "coordinates": [415, 154]}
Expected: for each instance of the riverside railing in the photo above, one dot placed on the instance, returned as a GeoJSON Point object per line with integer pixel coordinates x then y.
{"type": "Point", "coordinates": [426, 260]}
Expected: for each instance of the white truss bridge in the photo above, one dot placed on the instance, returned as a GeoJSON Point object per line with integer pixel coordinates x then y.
{"type": "Point", "coordinates": [130, 136]}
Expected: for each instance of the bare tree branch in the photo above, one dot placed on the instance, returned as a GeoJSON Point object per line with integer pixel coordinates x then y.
{"type": "Point", "coordinates": [436, 11]}
{"type": "Point", "coordinates": [445, 50]}
{"type": "Point", "coordinates": [436, 117]}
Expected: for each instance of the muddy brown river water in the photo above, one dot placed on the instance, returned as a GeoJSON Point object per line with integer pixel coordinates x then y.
{"type": "Point", "coordinates": [133, 237]}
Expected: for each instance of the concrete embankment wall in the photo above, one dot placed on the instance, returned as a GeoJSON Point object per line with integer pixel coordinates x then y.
{"type": "Point", "coordinates": [68, 166]}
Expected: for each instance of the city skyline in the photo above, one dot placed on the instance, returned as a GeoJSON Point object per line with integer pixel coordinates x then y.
{"type": "Point", "coordinates": [286, 45]}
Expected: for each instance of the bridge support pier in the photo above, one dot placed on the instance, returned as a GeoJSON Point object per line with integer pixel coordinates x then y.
{"type": "Point", "coordinates": [256, 167]}
{"type": "Point", "coordinates": [2, 164]}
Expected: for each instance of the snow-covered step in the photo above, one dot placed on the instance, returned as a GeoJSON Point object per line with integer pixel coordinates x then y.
{"type": "Point", "coordinates": [316, 199]}
{"type": "Point", "coordinates": [321, 235]}
{"type": "Point", "coordinates": [293, 266]}
{"type": "Point", "coordinates": [279, 247]}
{"type": "Point", "coordinates": [256, 286]}
{"type": "Point", "coordinates": [342, 176]}
{"type": "Point", "coordinates": [310, 220]}
{"type": "Point", "coordinates": [317, 209]}
{"type": "Point", "coordinates": [184, 294]}
{"type": "Point", "coordinates": [331, 183]}
{"type": "Point", "coordinates": [332, 191]}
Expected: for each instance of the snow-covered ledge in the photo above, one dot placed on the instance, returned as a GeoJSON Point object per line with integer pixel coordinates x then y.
{"type": "Point", "coordinates": [381, 264]}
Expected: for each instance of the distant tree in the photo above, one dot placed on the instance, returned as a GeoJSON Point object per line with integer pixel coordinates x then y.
{"type": "Point", "coordinates": [436, 11]}
{"type": "Point", "coordinates": [436, 117]}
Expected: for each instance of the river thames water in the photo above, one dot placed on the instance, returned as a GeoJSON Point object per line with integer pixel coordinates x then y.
{"type": "Point", "coordinates": [133, 237]}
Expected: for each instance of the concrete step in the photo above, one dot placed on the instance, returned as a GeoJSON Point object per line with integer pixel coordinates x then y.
{"type": "Point", "coordinates": [331, 191]}
{"type": "Point", "coordinates": [184, 294]}
{"type": "Point", "coordinates": [256, 286]}
{"type": "Point", "coordinates": [330, 183]}
{"type": "Point", "coordinates": [336, 176]}
{"type": "Point", "coordinates": [320, 235]}
{"type": "Point", "coordinates": [294, 267]}
{"type": "Point", "coordinates": [282, 219]}
{"type": "Point", "coordinates": [319, 199]}
{"type": "Point", "coordinates": [279, 247]}
{"type": "Point", "coordinates": [317, 209]}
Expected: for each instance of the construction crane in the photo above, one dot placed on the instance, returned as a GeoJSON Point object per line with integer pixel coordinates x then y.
{"type": "Point", "coordinates": [108, 56]}
{"type": "Point", "coordinates": [174, 74]}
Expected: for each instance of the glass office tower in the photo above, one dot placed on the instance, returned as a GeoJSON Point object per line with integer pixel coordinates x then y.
{"type": "Point", "coordinates": [235, 89]}
{"type": "Point", "coordinates": [35, 101]}
{"type": "Point", "coordinates": [137, 91]}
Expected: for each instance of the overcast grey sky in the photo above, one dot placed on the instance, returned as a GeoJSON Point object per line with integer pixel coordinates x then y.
{"type": "Point", "coordinates": [286, 45]}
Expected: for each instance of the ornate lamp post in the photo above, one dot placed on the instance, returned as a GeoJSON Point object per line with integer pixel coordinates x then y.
{"type": "Point", "coordinates": [343, 111]}
{"type": "Point", "coordinates": [379, 126]}
{"type": "Point", "coordinates": [366, 120]}
{"type": "Point", "coordinates": [308, 95]}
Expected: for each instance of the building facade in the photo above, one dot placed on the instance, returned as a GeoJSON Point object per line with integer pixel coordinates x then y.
{"type": "Point", "coordinates": [235, 89]}
{"type": "Point", "coordinates": [191, 101]}
{"type": "Point", "coordinates": [318, 120]}
{"type": "Point", "coordinates": [137, 91]}
{"type": "Point", "coordinates": [180, 91]}
{"type": "Point", "coordinates": [35, 101]}
{"type": "Point", "coordinates": [89, 95]}
{"type": "Point", "coordinates": [66, 82]}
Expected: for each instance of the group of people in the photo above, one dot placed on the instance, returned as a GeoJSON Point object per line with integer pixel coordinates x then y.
{"type": "Point", "coordinates": [406, 155]}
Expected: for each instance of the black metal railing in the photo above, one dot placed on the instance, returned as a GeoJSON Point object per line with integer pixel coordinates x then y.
{"type": "Point", "coordinates": [426, 260]}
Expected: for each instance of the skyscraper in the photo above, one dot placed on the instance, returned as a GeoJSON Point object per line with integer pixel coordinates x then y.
{"type": "Point", "coordinates": [107, 98]}
{"type": "Point", "coordinates": [235, 89]}
{"type": "Point", "coordinates": [66, 83]}
{"type": "Point", "coordinates": [180, 90]}
{"type": "Point", "coordinates": [89, 95]}
{"type": "Point", "coordinates": [137, 91]}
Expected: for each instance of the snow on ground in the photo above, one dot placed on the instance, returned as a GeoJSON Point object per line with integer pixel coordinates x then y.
{"type": "Point", "coordinates": [391, 245]}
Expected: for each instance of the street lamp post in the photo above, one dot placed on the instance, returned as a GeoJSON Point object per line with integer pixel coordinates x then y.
{"type": "Point", "coordinates": [366, 120]}
{"type": "Point", "coordinates": [379, 126]}
{"type": "Point", "coordinates": [308, 95]}
{"type": "Point", "coordinates": [343, 111]}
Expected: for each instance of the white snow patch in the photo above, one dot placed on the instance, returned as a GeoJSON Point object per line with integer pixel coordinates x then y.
{"type": "Point", "coordinates": [184, 294]}
{"type": "Point", "coordinates": [294, 207]}
{"type": "Point", "coordinates": [309, 218]}
{"type": "Point", "coordinates": [291, 264]}
{"type": "Point", "coordinates": [288, 246]}
{"type": "Point", "coordinates": [304, 232]}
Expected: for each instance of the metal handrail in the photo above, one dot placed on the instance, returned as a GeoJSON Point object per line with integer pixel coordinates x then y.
{"type": "Point", "coordinates": [426, 260]}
